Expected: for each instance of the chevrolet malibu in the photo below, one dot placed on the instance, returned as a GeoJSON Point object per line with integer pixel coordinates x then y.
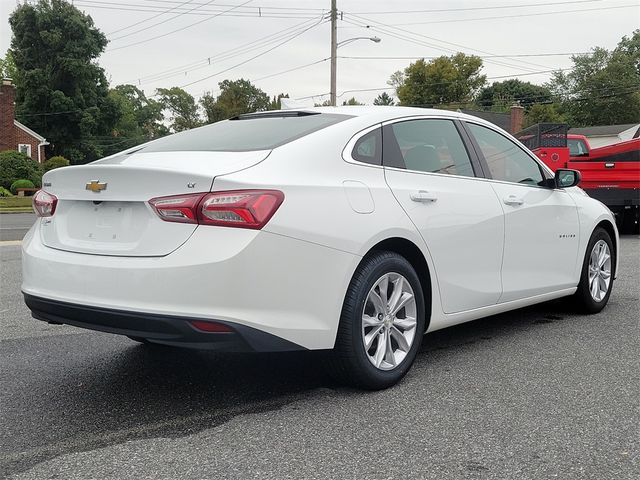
{"type": "Point", "coordinates": [354, 230]}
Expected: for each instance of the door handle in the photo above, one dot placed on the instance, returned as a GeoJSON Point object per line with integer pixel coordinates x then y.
{"type": "Point", "coordinates": [513, 200]}
{"type": "Point", "coordinates": [423, 196]}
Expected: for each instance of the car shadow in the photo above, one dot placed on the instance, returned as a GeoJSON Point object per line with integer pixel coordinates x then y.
{"type": "Point", "coordinates": [93, 390]}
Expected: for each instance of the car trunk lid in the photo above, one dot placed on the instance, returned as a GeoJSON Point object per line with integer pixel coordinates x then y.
{"type": "Point", "coordinates": [103, 207]}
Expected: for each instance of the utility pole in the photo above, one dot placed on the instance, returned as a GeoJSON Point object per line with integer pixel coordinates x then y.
{"type": "Point", "coordinates": [334, 50]}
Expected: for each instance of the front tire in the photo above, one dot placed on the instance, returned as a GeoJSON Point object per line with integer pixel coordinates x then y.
{"type": "Point", "coordinates": [596, 280]}
{"type": "Point", "coordinates": [381, 325]}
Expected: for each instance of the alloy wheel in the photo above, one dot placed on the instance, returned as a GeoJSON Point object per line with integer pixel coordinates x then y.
{"type": "Point", "coordinates": [389, 321]}
{"type": "Point", "coordinates": [599, 270]}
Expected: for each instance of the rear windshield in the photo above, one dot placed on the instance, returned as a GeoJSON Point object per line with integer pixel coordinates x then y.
{"type": "Point", "coordinates": [245, 133]}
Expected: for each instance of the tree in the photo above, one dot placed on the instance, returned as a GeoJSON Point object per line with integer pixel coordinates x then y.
{"type": "Point", "coordinates": [275, 103]}
{"type": "Point", "coordinates": [352, 101]}
{"type": "Point", "coordinates": [602, 88]}
{"type": "Point", "coordinates": [499, 96]}
{"type": "Point", "coordinates": [444, 80]}
{"type": "Point", "coordinates": [543, 112]}
{"type": "Point", "coordinates": [326, 103]}
{"type": "Point", "coordinates": [140, 117]}
{"type": "Point", "coordinates": [384, 99]}
{"type": "Point", "coordinates": [235, 98]}
{"type": "Point", "coordinates": [15, 166]}
{"type": "Point", "coordinates": [182, 108]}
{"type": "Point", "coordinates": [62, 92]}
{"type": "Point", "coordinates": [7, 66]}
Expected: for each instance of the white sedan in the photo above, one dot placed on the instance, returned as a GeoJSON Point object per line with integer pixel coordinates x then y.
{"type": "Point", "coordinates": [354, 230]}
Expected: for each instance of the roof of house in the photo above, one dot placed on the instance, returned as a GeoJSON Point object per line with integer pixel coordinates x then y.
{"type": "Point", "coordinates": [602, 130]}
{"type": "Point", "coordinates": [26, 129]}
{"type": "Point", "coordinates": [502, 120]}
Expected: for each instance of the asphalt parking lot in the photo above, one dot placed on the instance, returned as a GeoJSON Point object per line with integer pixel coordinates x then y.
{"type": "Point", "coordinates": [537, 393]}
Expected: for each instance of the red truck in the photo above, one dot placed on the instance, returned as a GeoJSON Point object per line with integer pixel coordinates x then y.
{"type": "Point", "coordinates": [610, 174]}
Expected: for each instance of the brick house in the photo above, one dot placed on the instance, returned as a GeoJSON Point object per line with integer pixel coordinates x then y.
{"type": "Point", "coordinates": [511, 122]}
{"type": "Point", "coordinates": [13, 134]}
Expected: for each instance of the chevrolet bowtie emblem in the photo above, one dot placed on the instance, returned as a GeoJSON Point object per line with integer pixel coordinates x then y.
{"type": "Point", "coordinates": [95, 186]}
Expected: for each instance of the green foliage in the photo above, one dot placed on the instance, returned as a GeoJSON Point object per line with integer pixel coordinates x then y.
{"type": "Point", "coordinates": [384, 99]}
{"type": "Point", "coordinates": [55, 47]}
{"type": "Point", "coordinates": [543, 112]}
{"type": "Point", "coordinates": [352, 101]}
{"type": "Point", "coordinates": [326, 103]}
{"type": "Point", "coordinates": [236, 97]}
{"type": "Point", "coordinates": [275, 103]}
{"type": "Point", "coordinates": [7, 66]}
{"type": "Point", "coordinates": [140, 119]}
{"type": "Point", "coordinates": [15, 165]}
{"type": "Point", "coordinates": [444, 80]}
{"type": "Point", "coordinates": [603, 86]}
{"type": "Point", "coordinates": [5, 193]}
{"type": "Point", "coordinates": [55, 162]}
{"type": "Point", "coordinates": [500, 96]}
{"type": "Point", "coordinates": [182, 108]}
{"type": "Point", "coordinates": [21, 183]}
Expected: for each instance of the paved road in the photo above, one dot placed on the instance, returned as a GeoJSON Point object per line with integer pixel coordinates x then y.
{"type": "Point", "coordinates": [537, 393]}
{"type": "Point", "coordinates": [13, 226]}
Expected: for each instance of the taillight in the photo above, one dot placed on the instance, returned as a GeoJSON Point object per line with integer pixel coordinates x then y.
{"type": "Point", "coordinates": [44, 203]}
{"type": "Point", "coordinates": [177, 208]}
{"type": "Point", "coordinates": [237, 208]}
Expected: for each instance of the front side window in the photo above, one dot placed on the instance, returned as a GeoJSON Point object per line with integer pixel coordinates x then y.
{"type": "Point", "coordinates": [506, 160]}
{"type": "Point", "coordinates": [431, 145]}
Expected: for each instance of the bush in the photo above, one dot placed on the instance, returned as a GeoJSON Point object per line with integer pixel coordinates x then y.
{"type": "Point", "coordinates": [22, 183]}
{"type": "Point", "coordinates": [55, 162]}
{"type": "Point", "coordinates": [15, 166]}
{"type": "Point", "coordinates": [5, 193]}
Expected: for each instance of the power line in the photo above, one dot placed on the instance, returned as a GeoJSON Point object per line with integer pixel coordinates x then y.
{"type": "Point", "coordinates": [515, 55]}
{"type": "Point", "coordinates": [233, 52]}
{"type": "Point", "coordinates": [176, 30]}
{"type": "Point", "coordinates": [255, 56]}
{"type": "Point", "coordinates": [242, 7]}
{"type": "Point", "coordinates": [456, 20]}
{"type": "Point", "coordinates": [137, 7]}
{"type": "Point", "coordinates": [467, 9]}
{"type": "Point", "coordinates": [300, 67]}
{"type": "Point", "coordinates": [148, 19]}
{"type": "Point", "coordinates": [405, 32]}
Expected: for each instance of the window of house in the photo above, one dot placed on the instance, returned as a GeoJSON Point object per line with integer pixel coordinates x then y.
{"type": "Point", "coordinates": [25, 148]}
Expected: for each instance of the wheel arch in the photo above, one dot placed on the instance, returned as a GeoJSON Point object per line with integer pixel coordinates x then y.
{"type": "Point", "coordinates": [413, 254]}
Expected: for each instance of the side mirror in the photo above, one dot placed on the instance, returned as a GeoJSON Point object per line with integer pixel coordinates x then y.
{"type": "Point", "coordinates": [566, 178]}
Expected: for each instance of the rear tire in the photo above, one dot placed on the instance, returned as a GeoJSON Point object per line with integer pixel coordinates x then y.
{"type": "Point", "coordinates": [381, 325]}
{"type": "Point", "coordinates": [598, 270]}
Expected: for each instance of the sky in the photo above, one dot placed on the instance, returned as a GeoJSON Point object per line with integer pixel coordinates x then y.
{"type": "Point", "coordinates": [282, 46]}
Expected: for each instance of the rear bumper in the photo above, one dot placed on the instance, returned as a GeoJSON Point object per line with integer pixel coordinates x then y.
{"type": "Point", "coordinates": [164, 329]}
{"type": "Point", "coordinates": [288, 288]}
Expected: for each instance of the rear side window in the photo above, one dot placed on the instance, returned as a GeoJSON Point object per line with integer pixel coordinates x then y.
{"type": "Point", "coordinates": [431, 145]}
{"type": "Point", "coordinates": [245, 133]}
{"type": "Point", "coordinates": [368, 148]}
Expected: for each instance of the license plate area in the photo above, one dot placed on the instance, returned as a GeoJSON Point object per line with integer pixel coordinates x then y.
{"type": "Point", "coordinates": [108, 222]}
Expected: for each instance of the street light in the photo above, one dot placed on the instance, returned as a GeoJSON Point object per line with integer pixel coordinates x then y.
{"type": "Point", "coordinates": [334, 47]}
{"type": "Point", "coordinates": [349, 40]}
{"type": "Point", "coordinates": [334, 59]}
